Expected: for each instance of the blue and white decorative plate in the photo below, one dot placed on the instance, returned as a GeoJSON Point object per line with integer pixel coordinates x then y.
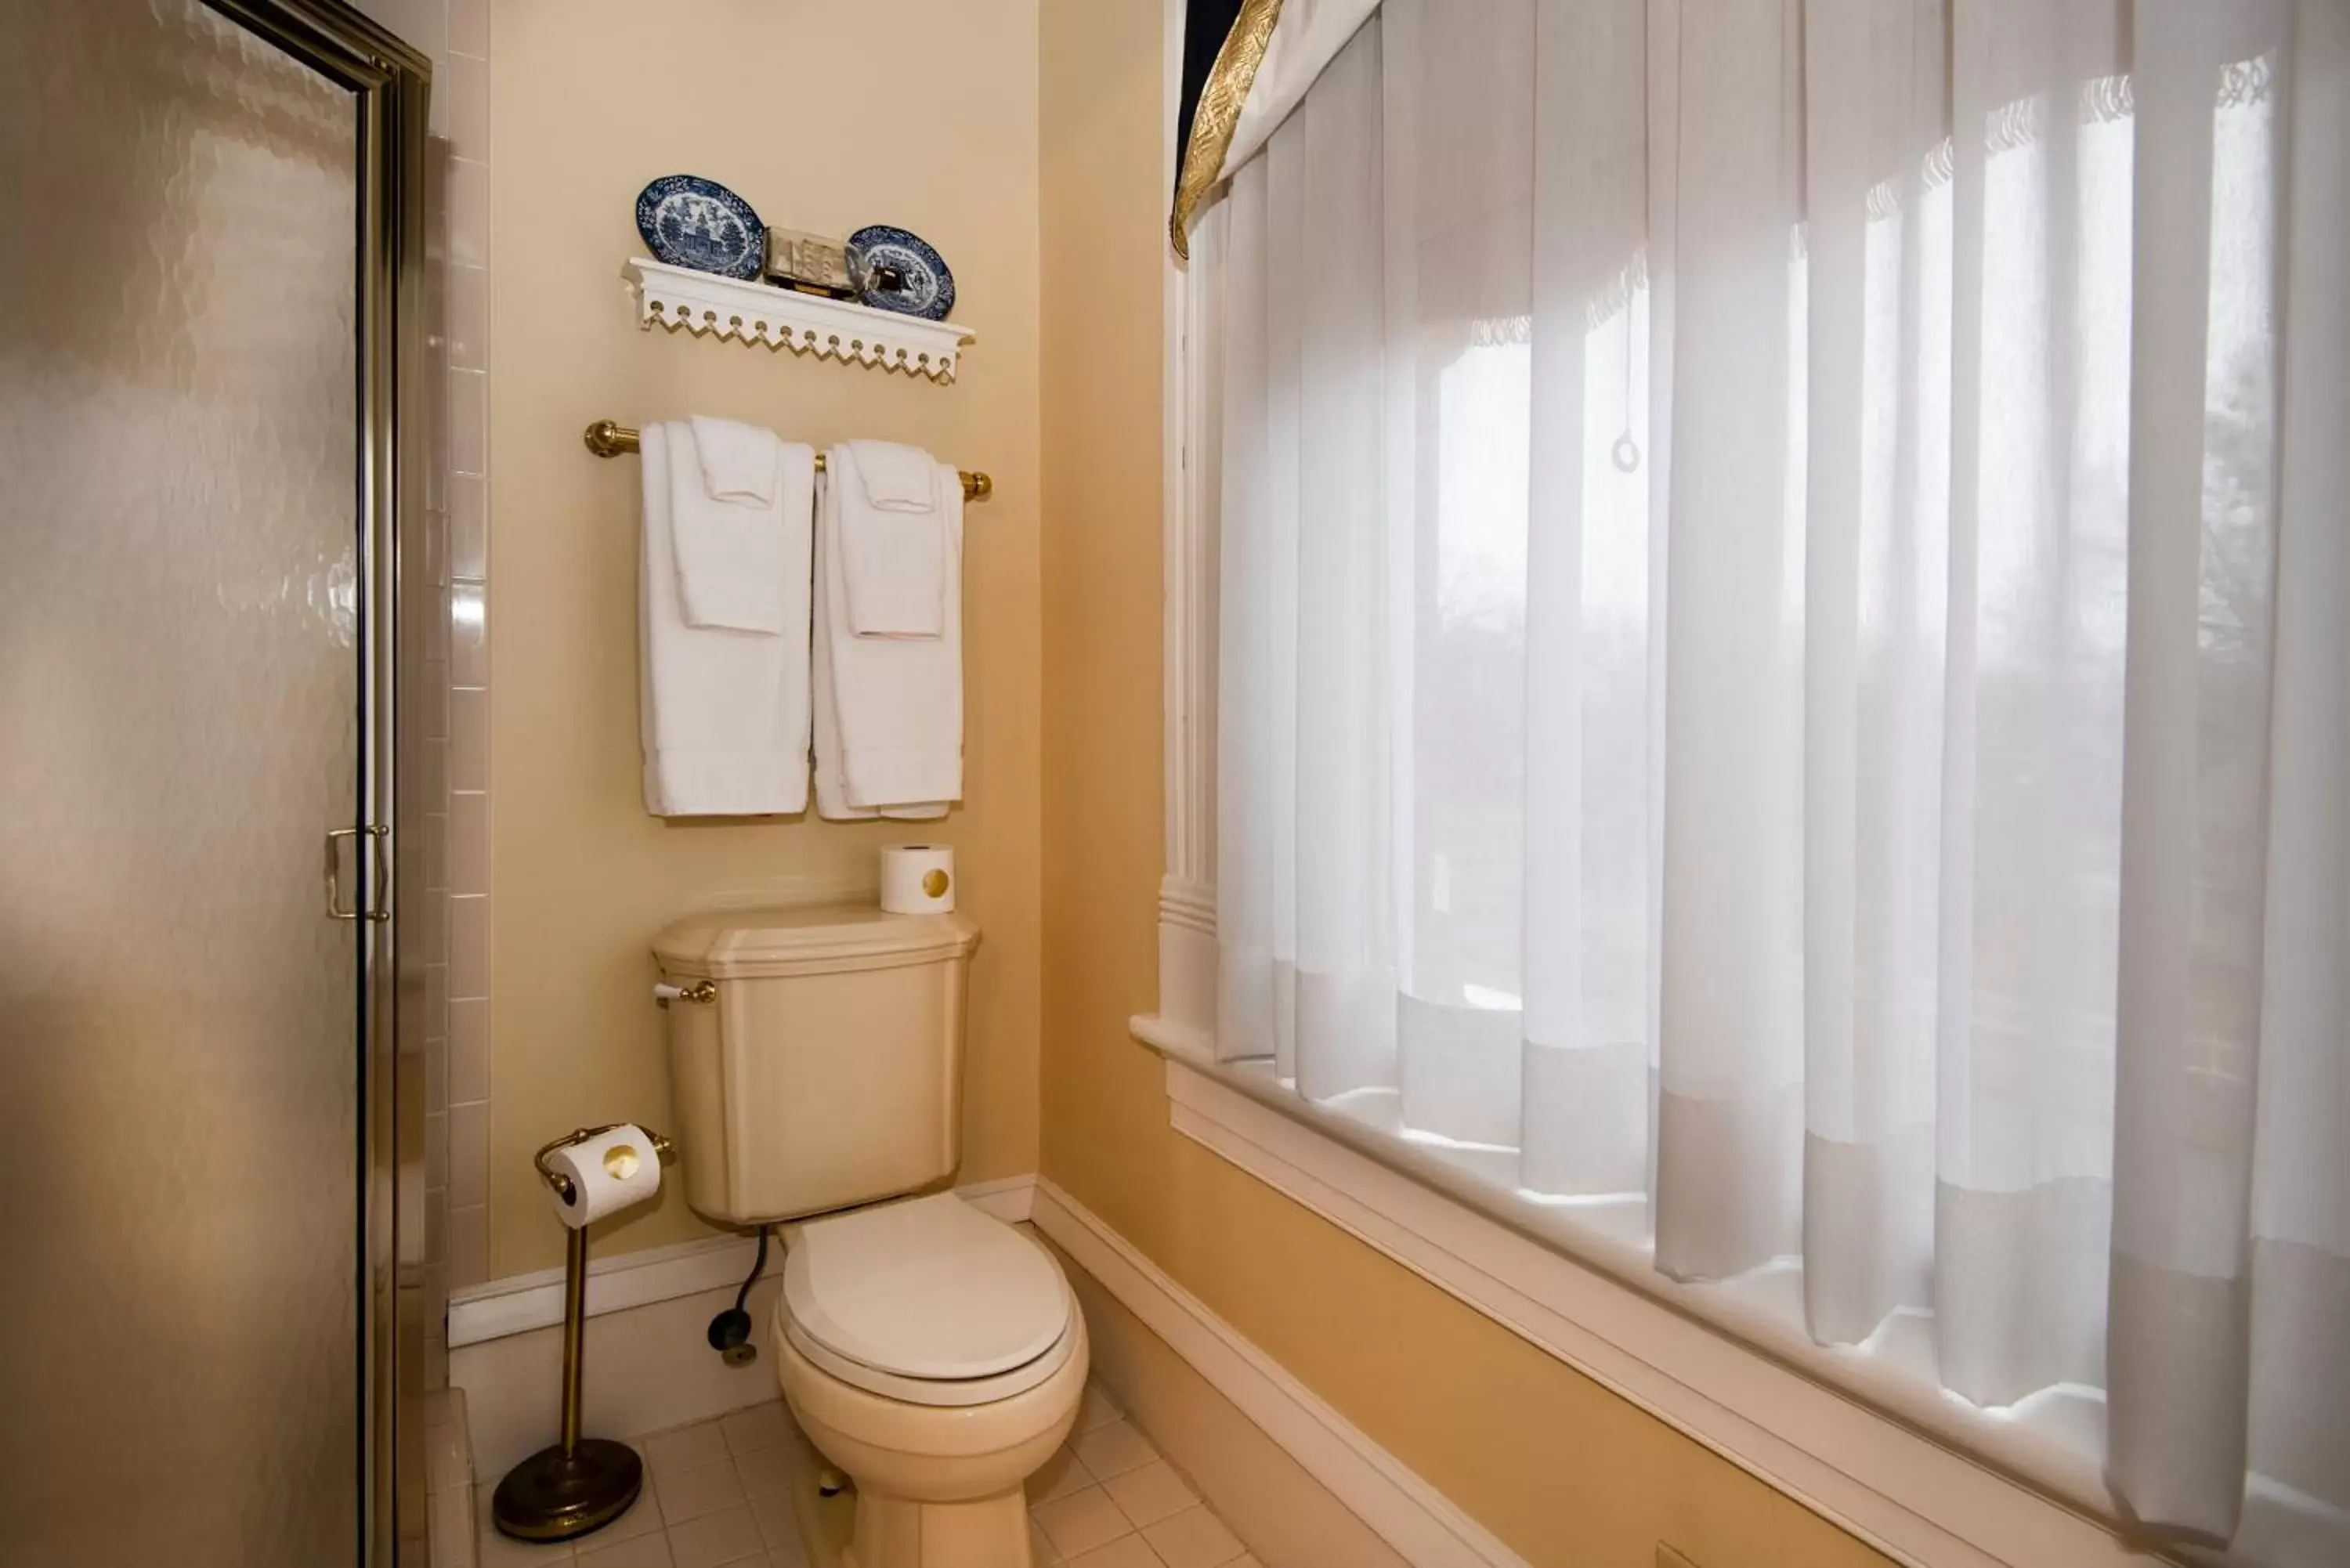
{"type": "Point", "coordinates": [894, 270]}
{"type": "Point", "coordinates": [692, 222]}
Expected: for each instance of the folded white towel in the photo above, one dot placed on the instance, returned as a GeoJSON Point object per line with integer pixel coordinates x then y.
{"type": "Point", "coordinates": [726, 511]}
{"type": "Point", "coordinates": [738, 461]}
{"type": "Point", "coordinates": [892, 538]}
{"type": "Point", "coordinates": [889, 711]}
{"type": "Point", "coordinates": [723, 713]}
{"type": "Point", "coordinates": [896, 477]}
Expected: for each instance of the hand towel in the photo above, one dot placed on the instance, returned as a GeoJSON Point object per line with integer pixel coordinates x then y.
{"type": "Point", "coordinates": [729, 491]}
{"type": "Point", "coordinates": [738, 461]}
{"type": "Point", "coordinates": [889, 711]}
{"type": "Point", "coordinates": [895, 477]}
{"type": "Point", "coordinates": [892, 538]}
{"type": "Point", "coordinates": [723, 713]}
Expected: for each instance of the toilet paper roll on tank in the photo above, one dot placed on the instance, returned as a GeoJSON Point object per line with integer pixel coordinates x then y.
{"type": "Point", "coordinates": [917, 878]}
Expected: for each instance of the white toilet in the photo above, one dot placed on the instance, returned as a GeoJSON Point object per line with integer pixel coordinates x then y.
{"type": "Point", "coordinates": [930, 1351]}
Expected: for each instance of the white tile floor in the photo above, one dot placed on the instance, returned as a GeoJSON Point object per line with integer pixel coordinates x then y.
{"type": "Point", "coordinates": [1107, 1500]}
{"type": "Point", "coordinates": [718, 1496]}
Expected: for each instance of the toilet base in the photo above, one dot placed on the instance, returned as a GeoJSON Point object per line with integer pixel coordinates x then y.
{"type": "Point", "coordinates": [899, 1533]}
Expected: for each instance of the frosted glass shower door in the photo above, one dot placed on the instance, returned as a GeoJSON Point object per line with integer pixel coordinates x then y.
{"type": "Point", "coordinates": [184, 647]}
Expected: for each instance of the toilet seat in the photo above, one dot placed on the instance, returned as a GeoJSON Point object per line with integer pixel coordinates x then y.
{"type": "Point", "coordinates": [927, 1301]}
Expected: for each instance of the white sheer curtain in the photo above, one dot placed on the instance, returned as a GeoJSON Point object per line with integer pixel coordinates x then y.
{"type": "Point", "coordinates": [1785, 680]}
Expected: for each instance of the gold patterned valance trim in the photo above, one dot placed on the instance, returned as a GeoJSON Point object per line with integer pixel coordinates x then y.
{"type": "Point", "coordinates": [1218, 113]}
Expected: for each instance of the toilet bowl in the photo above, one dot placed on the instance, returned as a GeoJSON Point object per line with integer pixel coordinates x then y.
{"type": "Point", "coordinates": [937, 1357]}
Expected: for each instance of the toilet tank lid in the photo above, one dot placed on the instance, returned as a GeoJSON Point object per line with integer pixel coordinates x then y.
{"type": "Point", "coordinates": [928, 1288]}
{"type": "Point", "coordinates": [801, 939]}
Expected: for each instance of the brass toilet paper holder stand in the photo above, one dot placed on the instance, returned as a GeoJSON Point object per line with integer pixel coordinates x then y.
{"type": "Point", "coordinates": [579, 1484]}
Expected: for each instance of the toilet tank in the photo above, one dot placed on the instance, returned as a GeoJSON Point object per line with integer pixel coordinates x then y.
{"type": "Point", "coordinates": [826, 1070]}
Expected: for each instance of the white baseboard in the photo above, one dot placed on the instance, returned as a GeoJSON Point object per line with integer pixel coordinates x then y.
{"type": "Point", "coordinates": [520, 1302]}
{"type": "Point", "coordinates": [1010, 1198]}
{"type": "Point", "coordinates": [645, 1369]}
{"type": "Point", "coordinates": [1411, 1515]}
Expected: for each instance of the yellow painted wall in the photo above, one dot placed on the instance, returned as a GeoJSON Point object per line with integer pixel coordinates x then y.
{"type": "Point", "coordinates": [824, 117]}
{"type": "Point", "coordinates": [1564, 1471]}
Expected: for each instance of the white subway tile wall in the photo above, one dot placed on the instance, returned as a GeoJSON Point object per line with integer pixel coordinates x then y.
{"type": "Point", "coordinates": [462, 98]}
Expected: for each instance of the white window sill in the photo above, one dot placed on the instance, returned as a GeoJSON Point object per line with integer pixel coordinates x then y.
{"type": "Point", "coordinates": [1878, 1452]}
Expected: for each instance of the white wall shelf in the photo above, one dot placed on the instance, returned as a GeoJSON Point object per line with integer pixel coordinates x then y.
{"type": "Point", "coordinates": [705, 304]}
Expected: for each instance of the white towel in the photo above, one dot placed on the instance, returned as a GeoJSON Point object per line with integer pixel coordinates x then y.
{"type": "Point", "coordinates": [723, 713]}
{"type": "Point", "coordinates": [895, 477]}
{"type": "Point", "coordinates": [889, 711]}
{"type": "Point", "coordinates": [892, 538]}
{"type": "Point", "coordinates": [726, 511]}
{"type": "Point", "coordinates": [739, 461]}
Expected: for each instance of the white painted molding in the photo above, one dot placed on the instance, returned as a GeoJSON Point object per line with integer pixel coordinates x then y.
{"type": "Point", "coordinates": [648, 1369]}
{"type": "Point", "coordinates": [520, 1302]}
{"type": "Point", "coordinates": [1189, 904]}
{"type": "Point", "coordinates": [705, 304]}
{"type": "Point", "coordinates": [1168, 1036]}
{"type": "Point", "coordinates": [1917, 1500]}
{"type": "Point", "coordinates": [1187, 954]}
{"type": "Point", "coordinates": [1187, 898]}
{"type": "Point", "coordinates": [1413, 1517]}
{"type": "Point", "coordinates": [1009, 1197]}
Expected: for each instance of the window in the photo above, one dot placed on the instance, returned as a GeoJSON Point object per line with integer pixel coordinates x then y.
{"type": "Point", "coordinates": [1781, 690]}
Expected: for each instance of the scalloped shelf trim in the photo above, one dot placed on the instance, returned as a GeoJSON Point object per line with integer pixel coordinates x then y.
{"type": "Point", "coordinates": [706, 305]}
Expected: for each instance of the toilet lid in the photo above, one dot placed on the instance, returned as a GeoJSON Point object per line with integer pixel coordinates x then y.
{"type": "Point", "coordinates": [930, 1288]}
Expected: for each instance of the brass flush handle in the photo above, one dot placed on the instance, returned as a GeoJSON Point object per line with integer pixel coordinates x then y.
{"type": "Point", "coordinates": [376, 833]}
{"type": "Point", "coordinates": [701, 991]}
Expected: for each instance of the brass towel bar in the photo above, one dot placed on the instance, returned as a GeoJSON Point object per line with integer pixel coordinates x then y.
{"type": "Point", "coordinates": [608, 438]}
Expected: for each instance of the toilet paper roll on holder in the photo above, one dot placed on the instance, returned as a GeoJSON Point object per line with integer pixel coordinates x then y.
{"type": "Point", "coordinates": [663, 1150]}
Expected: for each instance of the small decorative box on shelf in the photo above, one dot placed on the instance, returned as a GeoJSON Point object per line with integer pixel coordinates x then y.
{"type": "Point", "coordinates": [703, 302]}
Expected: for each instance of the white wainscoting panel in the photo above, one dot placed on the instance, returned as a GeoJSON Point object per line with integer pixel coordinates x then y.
{"type": "Point", "coordinates": [1411, 1515]}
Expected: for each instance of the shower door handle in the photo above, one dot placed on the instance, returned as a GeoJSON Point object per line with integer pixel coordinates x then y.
{"type": "Point", "coordinates": [375, 834]}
